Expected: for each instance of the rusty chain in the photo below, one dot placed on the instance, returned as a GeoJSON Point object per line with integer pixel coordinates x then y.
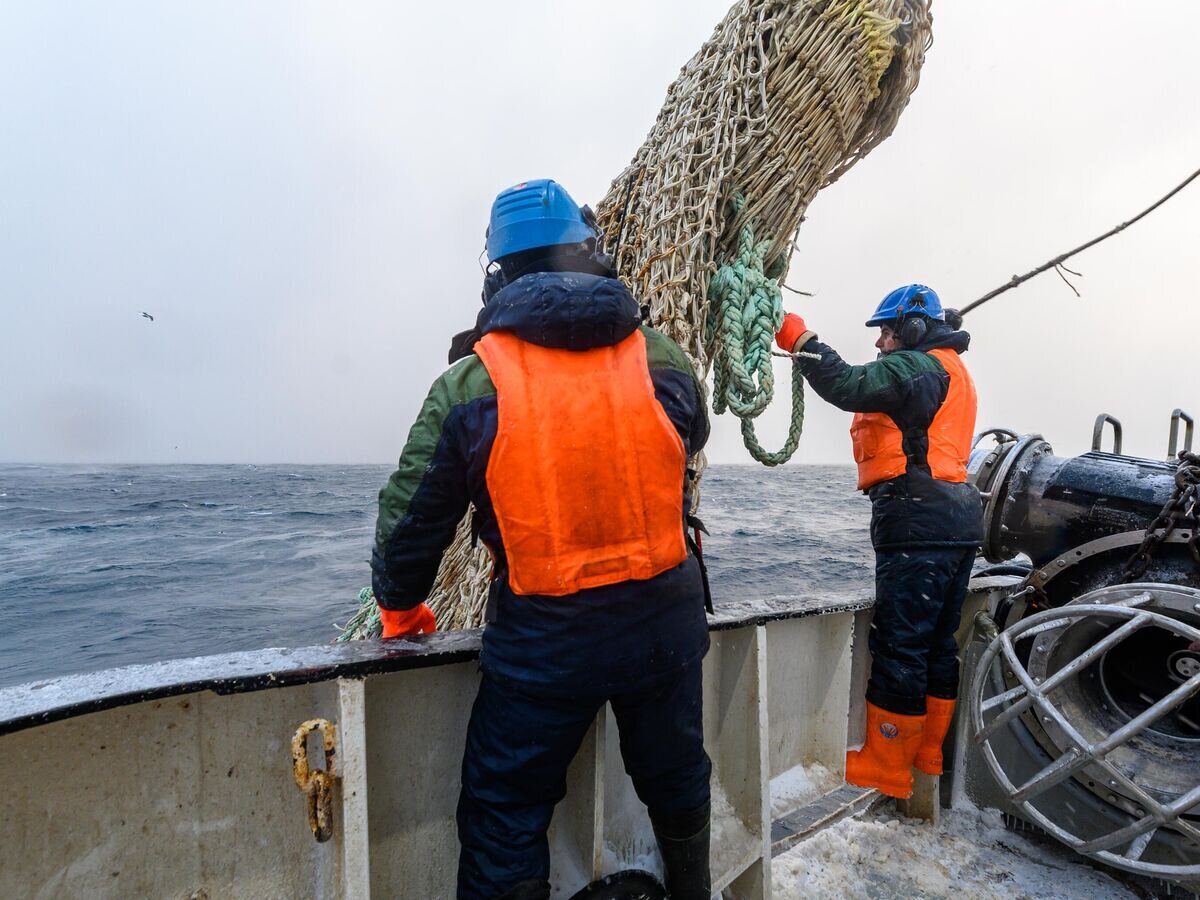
{"type": "Point", "coordinates": [1183, 505]}
{"type": "Point", "coordinates": [317, 784]}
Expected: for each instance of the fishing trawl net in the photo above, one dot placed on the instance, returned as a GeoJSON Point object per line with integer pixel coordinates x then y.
{"type": "Point", "coordinates": [779, 102]}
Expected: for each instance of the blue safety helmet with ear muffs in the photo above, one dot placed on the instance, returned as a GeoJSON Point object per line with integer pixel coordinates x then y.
{"type": "Point", "coordinates": [908, 310]}
{"type": "Point", "coordinates": [536, 214]}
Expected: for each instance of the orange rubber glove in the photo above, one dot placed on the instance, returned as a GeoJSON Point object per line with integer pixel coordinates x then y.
{"type": "Point", "coordinates": [407, 622]}
{"type": "Point", "coordinates": [792, 330]}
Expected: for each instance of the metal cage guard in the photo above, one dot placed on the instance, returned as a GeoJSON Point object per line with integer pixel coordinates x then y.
{"type": "Point", "coordinates": [1036, 694]}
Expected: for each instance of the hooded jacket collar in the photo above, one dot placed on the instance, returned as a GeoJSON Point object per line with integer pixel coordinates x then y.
{"type": "Point", "coordinates": [563, 310]}
{"type": "Point", "coordinates": [943, 335]}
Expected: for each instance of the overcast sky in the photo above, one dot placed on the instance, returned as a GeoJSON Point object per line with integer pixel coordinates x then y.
{"type": "Point", "coordinates": [298, 193]}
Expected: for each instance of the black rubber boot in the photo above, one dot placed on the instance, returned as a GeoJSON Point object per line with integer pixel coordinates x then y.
{"type": "Point", "coordinates": [530, 889]}
{"type": "Point", "coordinates": [683, 842]}
{"type": "Point", "coordinates": [632, 884]}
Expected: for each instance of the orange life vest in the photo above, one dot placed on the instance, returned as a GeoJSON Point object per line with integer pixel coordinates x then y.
{"type": "Point", "coordinates": [879, 445]}
{"type": "Point", "coordinates": [586, 472]}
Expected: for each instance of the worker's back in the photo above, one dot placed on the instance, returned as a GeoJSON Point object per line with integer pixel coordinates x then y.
{"type": "Point", "coordinates": [568, 430]}
{"type": "Point", "coordinates": [572, 427]}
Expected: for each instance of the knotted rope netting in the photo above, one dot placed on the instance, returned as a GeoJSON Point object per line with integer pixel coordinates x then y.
{"type": "Point", "coordinates": [781, 101]}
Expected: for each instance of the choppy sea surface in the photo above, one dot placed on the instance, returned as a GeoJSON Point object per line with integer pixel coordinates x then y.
{"type": "Point", "coordinates": [114, 565]}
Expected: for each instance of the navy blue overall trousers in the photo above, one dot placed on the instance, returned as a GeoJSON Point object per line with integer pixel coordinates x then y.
{"type": "Point", "coordinates": [519, 744]}
{"type": "Point", "coordinates": [919, 594]}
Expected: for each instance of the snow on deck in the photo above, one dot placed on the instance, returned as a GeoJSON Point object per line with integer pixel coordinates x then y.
{"type": "Point", "coordinates": [800, 786]}
{"type": "Point", "coordinates": [970, 854]}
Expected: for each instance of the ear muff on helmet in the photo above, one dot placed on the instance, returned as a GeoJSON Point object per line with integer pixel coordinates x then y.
{"type": "Point", "coordinates": [493, 275]}
{"type": "Point", "coordinates": [493, 281]}
{"type": "Point", "coordinates": [912, 330]}
{"type": "Point", "coordinates": [913, 325]}
{"type": "Point", "coordinates": [597, 243]}
{"type": "Point", "coordinates": [589, 219]}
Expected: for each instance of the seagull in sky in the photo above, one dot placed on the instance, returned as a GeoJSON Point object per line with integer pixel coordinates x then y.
{"type": "Point", "coordinates": [148, 316]}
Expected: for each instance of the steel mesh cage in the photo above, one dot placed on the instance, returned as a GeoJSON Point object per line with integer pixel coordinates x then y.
{"type": "Point", "coordinates": [1005, 662]}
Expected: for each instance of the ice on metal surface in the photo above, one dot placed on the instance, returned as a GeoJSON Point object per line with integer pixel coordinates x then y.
{"type": "Point", "coordinates": [730, 837]}
{"type": "Point", "coordinates": [800, 786]}
{"type": "Point", "coordinates": [970, 854]}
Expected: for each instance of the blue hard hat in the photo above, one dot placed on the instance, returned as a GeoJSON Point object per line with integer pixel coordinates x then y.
{"type": "Point", "coordinates": [912, 299]}
{"type": "Point", "coordinates": [535, 214]}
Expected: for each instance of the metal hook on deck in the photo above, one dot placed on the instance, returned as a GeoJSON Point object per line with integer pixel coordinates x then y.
{"type": "Point", "coordinates": [317, 784]}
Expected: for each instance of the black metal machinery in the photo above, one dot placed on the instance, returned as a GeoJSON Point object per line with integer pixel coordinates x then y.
{"type": "Point", "coordinates": [1085, 704]}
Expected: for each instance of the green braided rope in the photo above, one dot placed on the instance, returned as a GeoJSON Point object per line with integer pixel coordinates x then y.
{"type": "Point", "coordinates": [749, 311]}
{"type": "Point", "coordinates": [365, 622]}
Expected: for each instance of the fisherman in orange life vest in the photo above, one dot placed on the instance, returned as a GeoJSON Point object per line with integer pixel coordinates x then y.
{"type": "Point", "coordinates": [912, 431]}
{"type": "Point", "coordinates": [568, 425]}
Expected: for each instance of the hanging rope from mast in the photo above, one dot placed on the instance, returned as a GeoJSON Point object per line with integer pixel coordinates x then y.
{"type": "Point", "coordinates": [1057, 262]}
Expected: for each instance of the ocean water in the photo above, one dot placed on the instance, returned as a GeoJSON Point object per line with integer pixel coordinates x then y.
{"type": "Point", "coordinates": [114, 565]}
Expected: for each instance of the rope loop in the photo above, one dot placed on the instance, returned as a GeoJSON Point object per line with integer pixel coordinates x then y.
{"type": "Point", "coordinates": [748, 307]}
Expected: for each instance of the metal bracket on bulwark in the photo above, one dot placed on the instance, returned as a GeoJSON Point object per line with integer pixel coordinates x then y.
{"type": "Point", "coordinates": [317, 784]}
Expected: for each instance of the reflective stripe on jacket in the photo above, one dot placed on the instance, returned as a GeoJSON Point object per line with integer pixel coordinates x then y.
{"type": "Point", "coordinates": [586, 472]}
{"type": "Point", "coordinates": [879, 444]}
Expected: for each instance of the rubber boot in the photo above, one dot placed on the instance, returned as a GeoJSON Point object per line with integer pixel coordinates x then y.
{"type": "Point", "coordinates": [632, 884]}
{"type": "Point", "coordinates": [683, 842]}
{"type": "Point", "coordinates": [530, 889]}
{"type": "Point", "coordinates": [885, 762]}
{"type": "Point", "coordinates": [938, 713]}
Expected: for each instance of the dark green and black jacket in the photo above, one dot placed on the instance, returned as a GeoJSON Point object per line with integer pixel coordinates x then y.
{"type": "Point", "coordinates": [909, 386]}
{"type": "Point", "coordinates": [620, 635]}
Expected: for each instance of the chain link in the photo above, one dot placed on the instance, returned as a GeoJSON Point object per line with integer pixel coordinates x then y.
{"type": "Point", "coordinates": [1184, 505]}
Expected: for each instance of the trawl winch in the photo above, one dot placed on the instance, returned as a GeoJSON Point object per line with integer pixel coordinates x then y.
{"type": "Point", "coordinates": [1085, 706]}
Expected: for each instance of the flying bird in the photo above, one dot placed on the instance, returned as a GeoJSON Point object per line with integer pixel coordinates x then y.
{"type": "Point", "coordinates": [148, 316]}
